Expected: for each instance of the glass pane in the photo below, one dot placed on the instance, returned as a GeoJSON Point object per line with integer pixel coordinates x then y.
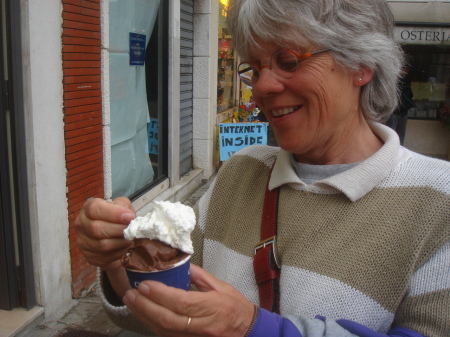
{"type": "Point", "coordinates": [430, 76]}
{"type": "Point", "coordinates": [226, 64]}
{"type": "Point", "coordinates": [137, 66]}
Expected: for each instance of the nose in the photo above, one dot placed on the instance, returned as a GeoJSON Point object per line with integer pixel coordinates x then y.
{"type": "Point", "coordinates": [267, 83]}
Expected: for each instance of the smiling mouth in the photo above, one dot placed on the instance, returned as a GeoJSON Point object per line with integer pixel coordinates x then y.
{"type": "Point", "coordinates": [285, 111]}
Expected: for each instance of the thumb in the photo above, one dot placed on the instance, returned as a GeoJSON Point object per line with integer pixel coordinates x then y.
{"type": "Point", "coordinates": [125, 217]}
{"type": "Point", "coordinates": [124, 202]}
{"type": "Point", "coordinates": [204, 281]}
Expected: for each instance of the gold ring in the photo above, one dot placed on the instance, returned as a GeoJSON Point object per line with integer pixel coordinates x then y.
{"type": "Point", "coordinates": [187, 325]}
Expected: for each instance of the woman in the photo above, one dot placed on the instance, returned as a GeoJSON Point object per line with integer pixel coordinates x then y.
{"type": "Point", "coordinates": [362, 229]}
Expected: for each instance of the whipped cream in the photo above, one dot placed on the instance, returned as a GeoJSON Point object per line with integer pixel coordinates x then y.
{"type": "Point", "coordinates": [171, 223]}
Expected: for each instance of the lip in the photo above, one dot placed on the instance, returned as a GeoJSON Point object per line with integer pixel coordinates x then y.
{"type": "Point", "coordinates": [280, 112]}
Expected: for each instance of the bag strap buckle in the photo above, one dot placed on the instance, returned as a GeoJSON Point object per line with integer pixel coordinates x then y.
{"type": "Point", "coordinates": [265, 243]}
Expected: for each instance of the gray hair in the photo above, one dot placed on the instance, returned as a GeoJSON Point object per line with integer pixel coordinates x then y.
{"type": "Point", "coordinates": [358, 33]}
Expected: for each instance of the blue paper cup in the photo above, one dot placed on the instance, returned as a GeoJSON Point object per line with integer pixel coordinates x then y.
{"type": "Point", "coordinates": [178, 276]}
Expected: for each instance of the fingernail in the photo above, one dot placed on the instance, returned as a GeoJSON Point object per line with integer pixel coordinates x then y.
{"type": "Point", "coordinates": [129, 297]}
{"type": "Point", "coordinates": [126, 218]}
{"type": "Point", "coordinates": [144, 289]}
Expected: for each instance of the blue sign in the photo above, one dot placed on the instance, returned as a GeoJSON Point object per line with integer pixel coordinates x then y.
{"type": "Point", "coordinates": [152, 133]}
{"type": "Point", "coordinates": [137, 49]}
{"type": "Point", "coordinates": [236, 136]}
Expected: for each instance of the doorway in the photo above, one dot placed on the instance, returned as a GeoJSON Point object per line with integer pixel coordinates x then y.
{"type": "Point", "coordinates": [16, 269]}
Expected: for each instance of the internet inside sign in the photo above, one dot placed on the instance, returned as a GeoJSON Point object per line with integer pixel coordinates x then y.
{"type": "Point", "coordinates": [236, 136]}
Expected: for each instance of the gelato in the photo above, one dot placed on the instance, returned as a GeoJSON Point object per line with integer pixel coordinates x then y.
{"type": "Point", "coordinates": [161, 239]}
{"type": "Point", "coordinates": [151, 255]}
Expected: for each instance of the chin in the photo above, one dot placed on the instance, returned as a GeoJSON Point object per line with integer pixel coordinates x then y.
{"type": "Point", "coordinates": [287, 145]}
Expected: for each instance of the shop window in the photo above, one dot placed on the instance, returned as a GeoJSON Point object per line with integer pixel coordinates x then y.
{"type": "Point", "coordinates": [138, 96]}
{"type": "Point", "coordinates": [430, 79]}
{"type": "Point", "coordinates": [226, 77]}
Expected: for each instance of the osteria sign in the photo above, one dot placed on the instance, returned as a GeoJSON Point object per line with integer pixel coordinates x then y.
{"type": "Point", "coordinates": [422, 35]}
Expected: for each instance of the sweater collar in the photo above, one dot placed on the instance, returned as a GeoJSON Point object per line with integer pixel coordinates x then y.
{"type": "Point", "coordinates": [355, 182]}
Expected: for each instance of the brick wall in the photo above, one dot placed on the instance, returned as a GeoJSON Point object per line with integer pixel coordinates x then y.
{"type": "Point", "coordinates": [83, 120]}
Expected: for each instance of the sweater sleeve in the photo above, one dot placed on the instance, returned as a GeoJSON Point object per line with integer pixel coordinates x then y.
{"type": "Point", "coordinates": [425, 308]}
{"type": "Point", "coordinates": [428, 289]}
{"type": "Point", "coordinates": [116, 310]}
{"type": "Point", "coordinates": [272, 325]}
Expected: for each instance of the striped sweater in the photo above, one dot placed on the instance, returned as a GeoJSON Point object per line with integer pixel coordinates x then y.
{"type": "Point", "coordinates": [364, 253]}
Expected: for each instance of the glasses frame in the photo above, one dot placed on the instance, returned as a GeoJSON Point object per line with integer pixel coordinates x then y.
{"type": "Point", "coordinates": [254, 66]}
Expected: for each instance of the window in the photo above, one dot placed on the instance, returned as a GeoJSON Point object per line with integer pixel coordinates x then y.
{"type": "Point", "coordinates": [226, 78]}
{"type": "Point", "coordinates": [430, 79]}
{"type": "Point", "coordinates": [138, 94]}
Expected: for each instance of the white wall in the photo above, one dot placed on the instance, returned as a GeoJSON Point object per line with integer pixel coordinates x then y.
{"type": "Point", "coordinates": [206, 16]}
{"type": "Point", "coordinates": [43, 98]}
{"type": "Point", "coordinates": [420, 10]}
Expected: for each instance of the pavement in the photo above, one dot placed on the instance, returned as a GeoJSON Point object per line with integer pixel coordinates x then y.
{"type": "Point", "coordinates": [87, 317]}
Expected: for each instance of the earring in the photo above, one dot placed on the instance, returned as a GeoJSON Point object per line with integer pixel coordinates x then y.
{"type": "Point", "coordinates": [360, 79]}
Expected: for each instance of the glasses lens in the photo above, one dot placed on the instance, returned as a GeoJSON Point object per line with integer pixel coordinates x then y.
{"type": "Point", "coordinates": [284, 63]}
{"type": "Point", "coordinates": [246, 73]}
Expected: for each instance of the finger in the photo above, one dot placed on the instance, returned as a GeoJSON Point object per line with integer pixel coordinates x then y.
{"type": "Point", "coordinates": [101, 219]}
{"type": "Point", "coordinates": [105, 246]}
{"type": "Point", "coordinates": [99, 209]}
{"type": "Point", "coordinates": [112, 266]}
{"type": "Point", "coordinates": [212, 313]}
{"type": "Point", "coordinates": [101, 262]}
{"type": "Point", "coordinates": [183, 302]}
{"type": "Point", "coordinates": [192, 303]}
{"type": "Point", "coordinates": [100, 230]}
{"type": "Point", "coordinates": [124, 202]}
{"type": "Point", "coordinates": [204, 281]}
{"type": "Point", "coordinates": [102, 256]}
{"type": "Point", "coordinates": [160, 319]}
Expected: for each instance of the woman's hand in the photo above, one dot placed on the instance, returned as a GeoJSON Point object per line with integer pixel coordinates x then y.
{"type": "Point", "coordinates": [99, 228]}
{"type": "Point", "coordinates": [217, 309]}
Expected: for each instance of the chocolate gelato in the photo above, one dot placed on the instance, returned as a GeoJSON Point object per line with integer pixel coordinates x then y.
{"type": "Point", "coordinates": [162, 245]}
{"type": "Point", "coordinates": [151, 255]}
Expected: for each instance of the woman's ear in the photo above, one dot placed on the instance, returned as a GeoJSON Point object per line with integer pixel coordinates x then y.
{"type": "Point", "coordinates": [362, 77]}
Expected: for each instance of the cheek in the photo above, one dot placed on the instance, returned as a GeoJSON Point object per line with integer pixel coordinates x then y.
{"type": "Point", "coordinates": [313, 84]}
{"type": "Point", "coordinates": [258, 100]}
{"type": "Point", "coordinates": [323, 93]}
{"type": "Point", "coordinates": [317, 98]}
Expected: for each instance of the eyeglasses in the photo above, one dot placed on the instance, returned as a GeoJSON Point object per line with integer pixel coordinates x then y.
{"type": "Point", "coordinates": [283, 63]}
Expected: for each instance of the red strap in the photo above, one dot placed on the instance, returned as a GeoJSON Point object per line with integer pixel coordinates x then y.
{"type": "Point", "coordinates": [267, 272]}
